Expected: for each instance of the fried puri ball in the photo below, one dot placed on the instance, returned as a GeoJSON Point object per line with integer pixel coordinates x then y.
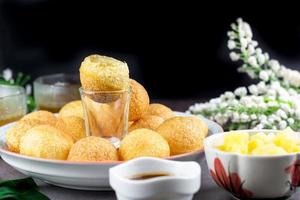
{"type": "Point", "coordinates": [103, 73]}
{"type": "Point", "coordinates": [160, 110]}
{"type": "Point", "coordinates": [42, 116]}
{"type": "Point", "coordinates": [27, 122]}
{"type": "Point", "coordinates": [15, 133]}
{"type": "Point", "coordinates": [143, 142]}
{"type": "Point", "coordinates": [45, 141]}
{"type": "Point", "coordinates": [184, 134]}
{"type": "Point", "coordinates": [73, 126]}
{"type": "Point", "coordinates": [149, 121]}
{"type": "Point", "coordinates": [139, 101]}
{"type": "Point", "coordinates": [93, 148]}
{"type": "Point", "coordinates": [73, 108]}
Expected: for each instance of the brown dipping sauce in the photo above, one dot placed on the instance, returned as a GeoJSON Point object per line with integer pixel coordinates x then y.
{"type": "Point", "coordinates": [10, 119]}
{"type": "Point", "coordinates": [48, 108]}
{"type": "Point", "coordinates": [150, 175]}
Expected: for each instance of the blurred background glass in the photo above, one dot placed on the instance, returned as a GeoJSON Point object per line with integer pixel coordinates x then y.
{"type": "Point", "coordinates": [12, 103]}
{"type": "Point", "coordinates": [52, 92]}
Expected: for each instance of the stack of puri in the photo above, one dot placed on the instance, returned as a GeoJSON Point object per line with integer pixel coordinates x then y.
{"type": "Point", "coordinates": [153, 130]}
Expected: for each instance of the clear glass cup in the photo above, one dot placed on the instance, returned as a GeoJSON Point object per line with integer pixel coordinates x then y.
{"type": "Point", "coordinates": [52, 92]}
{"type": "Point", "coordinates": [106, 113]}
{"type": "Point", "coordinates": [12, 103]}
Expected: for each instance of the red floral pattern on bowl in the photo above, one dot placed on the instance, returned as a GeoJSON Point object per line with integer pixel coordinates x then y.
{"type": "Point", "coordinates": [232, 182]}
{"type": "Point", "coordinates": [294, 171]}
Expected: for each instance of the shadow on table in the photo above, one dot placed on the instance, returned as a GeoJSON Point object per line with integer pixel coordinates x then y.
{"type": "Point", "coordinates": [58, 193]}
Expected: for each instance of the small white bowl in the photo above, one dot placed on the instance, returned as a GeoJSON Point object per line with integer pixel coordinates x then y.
{"type": "Point", "coordinates": [183, 182]}
{"type": "Point", "coordinates": [252, 177]}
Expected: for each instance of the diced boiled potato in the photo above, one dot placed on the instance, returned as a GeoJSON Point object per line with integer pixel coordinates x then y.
{"type": "Point", "coordinates": [261, 144]}
{"type": "Point", "coordinates": [288, 141]}
{"type": "Point", "coordinates": [269, 149]}
{"type": "Point", "coordinates": [266, 139]}
{"type": "Point", "coordinates": [236, 138]}
{"type": "Point", "coordinates": [235, 142]}
{"type": "Point", "coordinates": [258, 140]}
{"type": "Point", "coordinates": [296, 149]}
{"type": "Point", "coordinates": [254, 143]}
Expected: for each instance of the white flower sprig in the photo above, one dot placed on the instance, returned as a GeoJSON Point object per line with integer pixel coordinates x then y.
{"type": "Point", "coordinates": [257, 64]}
{"type": "Point", "coordinates": [7, 74]}
{"type": "Point", "coordinates": [259, 106]}
{"type": "Point", "coordinates": [273, 103]}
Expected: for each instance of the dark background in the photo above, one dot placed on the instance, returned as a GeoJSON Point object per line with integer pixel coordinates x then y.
{"type": "Point", "coordinates": [177, 50]}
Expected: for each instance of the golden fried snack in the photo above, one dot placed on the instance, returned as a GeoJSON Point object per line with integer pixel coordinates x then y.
{"type": "Point", "coordinates": [149, 121]}
{"type": "Point", "coordinates": [160, 110]}
{"type": "Point", "coordinates": [73, 126]}
{"type": "Point", "coordinates": [93, 149]}
{"type": "Point", "coordinates": [42, 116]}
{"type": "Point", "coordinates": [73, 108]}
{"type": "Point", "coordinates": [130, 123]}
{"type": "Point", "coordinates": [103, 73]}
{"type": "Point", "coordinates": [15, 133]}
{"type": "Point", "coordinates": [45, 141]}
{"type": "Point", "coordinates": [139, 101]}
{"type": "Point", "coordinates": [143, 142]}
{"type": "Point", "coordinates": [184, 134]}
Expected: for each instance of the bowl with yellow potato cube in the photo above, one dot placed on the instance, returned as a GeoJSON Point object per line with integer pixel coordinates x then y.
{"type": "Point", "coordinates": [255, 164]}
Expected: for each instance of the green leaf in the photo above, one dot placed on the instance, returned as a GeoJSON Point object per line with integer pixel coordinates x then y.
{"type": "Point", "coordinates": [30, 104]}
{"type": "Point", "coordinates": [25, 80]}
{"type": "Point", "coordinates": [19, 78]}
{"type": "Point", "coordinates": [20, 189]}
{"type": "Point", "coordinates": [4, 82]}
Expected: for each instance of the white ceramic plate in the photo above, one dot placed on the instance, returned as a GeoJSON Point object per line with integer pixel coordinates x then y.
{"type": "Point", "coordinates": [78, 175]}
